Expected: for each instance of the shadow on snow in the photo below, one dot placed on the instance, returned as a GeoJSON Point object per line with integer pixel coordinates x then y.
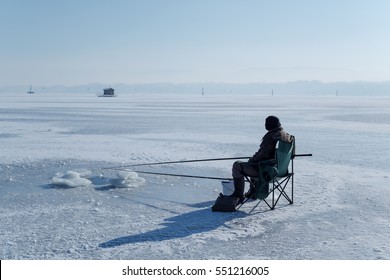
{"type": "Point", "coordinates": [182, 225]}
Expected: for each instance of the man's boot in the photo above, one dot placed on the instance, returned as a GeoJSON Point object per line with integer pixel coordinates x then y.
{"type": "Point", "coordinates": [239, 187]}
{"type": "Point", "coordinates": [251, 193]}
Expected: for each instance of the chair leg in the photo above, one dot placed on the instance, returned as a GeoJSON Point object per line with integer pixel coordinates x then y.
{"type": "Point", "coordinates": [292, 180]}
{"type": "Point", "coordinates": [279, 185]}
{"type": "Point", "coordinates": [273, 195]}
{"type": "Point", "coordinates": [292, 188]}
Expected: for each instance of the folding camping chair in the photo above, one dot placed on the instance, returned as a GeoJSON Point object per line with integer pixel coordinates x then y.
{"type": "Point", "coordinates": [274, 176]}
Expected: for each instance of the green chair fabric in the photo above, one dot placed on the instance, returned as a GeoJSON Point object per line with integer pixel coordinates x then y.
{"type": "Point", "coordinates": [267, 173]}
{"type": "Point", "coordinates": [274, 176]}
{"type": "Point", "coordinates": [283, 155]}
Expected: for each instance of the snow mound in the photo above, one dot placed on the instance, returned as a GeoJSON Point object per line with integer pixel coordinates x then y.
{"type": "Point", "coordinates": [84, 173]}
{"type": "Point", "coordinates": [127, 179]}
{"type": "Point", "coordinates": [72, 179]}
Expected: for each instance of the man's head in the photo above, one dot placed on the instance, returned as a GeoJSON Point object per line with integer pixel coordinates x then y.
{"type": "Point", "coordinates": [272, 122]}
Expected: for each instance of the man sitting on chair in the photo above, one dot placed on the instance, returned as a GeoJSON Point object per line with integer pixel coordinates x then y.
{"type": "Point", "coordinates": [265, 152]}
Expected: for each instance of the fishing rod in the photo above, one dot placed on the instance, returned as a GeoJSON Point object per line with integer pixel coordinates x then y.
{"type": "Point", "coordinates": [172, 162]}
{"type": "Point", "coordinates": [303, 155]}
{"type": "Point", "coordinates": [186, 161]}
{"type": "Point", "coordinates": [180, 175]}
{"type": "Point", "coordinates": [183, 161]}
{"type": "Point", "coordinates": [188, 176]}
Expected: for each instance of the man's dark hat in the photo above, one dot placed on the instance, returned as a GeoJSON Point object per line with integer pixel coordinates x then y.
{"type": "Point", "coordinates": [272, 122]}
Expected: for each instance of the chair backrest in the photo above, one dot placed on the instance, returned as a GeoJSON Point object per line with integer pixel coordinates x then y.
{"type": "Point", "coordinates": [284, 152]}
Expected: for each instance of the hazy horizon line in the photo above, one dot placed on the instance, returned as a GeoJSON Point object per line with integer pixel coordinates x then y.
{"type": "Point", "coordinates": [194, 83]}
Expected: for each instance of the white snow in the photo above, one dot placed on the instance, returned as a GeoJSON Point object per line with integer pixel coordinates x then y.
{"type": "Point", "coordinates": [58, 200]}
{"type": "Point", "coordinates": [72, 179]}
{"type": "Point", "coordinates": [127, 179]}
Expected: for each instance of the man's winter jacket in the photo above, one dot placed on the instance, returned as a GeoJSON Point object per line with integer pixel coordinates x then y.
{"type": "Point", "coordinates": [267, 146]}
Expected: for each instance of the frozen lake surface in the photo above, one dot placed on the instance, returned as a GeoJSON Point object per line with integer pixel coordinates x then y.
{"type": "Point", "coordinates": [341, 199]}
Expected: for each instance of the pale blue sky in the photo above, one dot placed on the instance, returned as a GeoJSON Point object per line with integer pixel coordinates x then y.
{"type": "Point", "coordinates": [144, 41]}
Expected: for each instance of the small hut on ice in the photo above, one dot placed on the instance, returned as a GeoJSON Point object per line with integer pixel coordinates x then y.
{"type": "Point", "coordinates": [108, 92]}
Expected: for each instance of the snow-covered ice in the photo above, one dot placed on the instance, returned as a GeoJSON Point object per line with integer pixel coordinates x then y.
{"type": "Point", "coordinates": [71, 179]}
{"type": "Point", "coordinates": [59, 201]}
{"type": "Point", "coordinates": [127, 179]}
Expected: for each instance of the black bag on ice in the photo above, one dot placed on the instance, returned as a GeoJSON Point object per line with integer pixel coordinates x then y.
{"type": "Point", "coordinates": [225, 204]}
